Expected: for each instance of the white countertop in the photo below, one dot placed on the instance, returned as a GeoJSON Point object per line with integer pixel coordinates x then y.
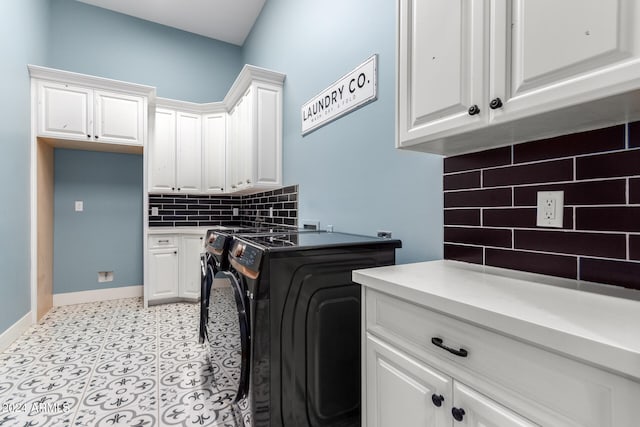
{"type": "Point", "coordinates": [546, 311]}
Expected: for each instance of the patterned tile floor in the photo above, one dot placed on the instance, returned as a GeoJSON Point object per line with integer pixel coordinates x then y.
{"type": "Point", "coordinates": [115, 363]}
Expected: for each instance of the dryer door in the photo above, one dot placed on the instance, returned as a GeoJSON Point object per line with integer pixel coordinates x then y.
{"type": "Point", "coordinates": [228, 335]}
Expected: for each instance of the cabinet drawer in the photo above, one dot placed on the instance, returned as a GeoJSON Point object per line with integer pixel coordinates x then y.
{"type": "Point", "coordinates": [162, 241]}
{"type": "Point", "coordinates": [542, 386]}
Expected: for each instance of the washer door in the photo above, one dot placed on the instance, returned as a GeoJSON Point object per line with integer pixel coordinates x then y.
{"type": "Point", "coordinates": [228, 334]}
{"type": "Point", "coordinates": [206, 280]}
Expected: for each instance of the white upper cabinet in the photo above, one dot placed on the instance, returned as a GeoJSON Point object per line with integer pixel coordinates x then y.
{"type": "Point", "coordinates": [80, 113]}
{"type": "Point", "coordinates": [119, 118]}
{"type": "Point", "coordinates": [441, 67]}
{"type": "Point", "coordinates": [222, 147]}
{"type": "Point", "coordinates": [189, 152]}
{"type": "Point", "coordinates": [65, 111]}
{"type": "Point", "coordinates": [176, 152]}
{"type": "Point", "coordinates": [162, 152]}
{"type": "Point", "coordinates": [255, 139]}
{"type": "Point", "coordinates": [478, 74]}
{"type": "Point", "coordinates": [214, 150]}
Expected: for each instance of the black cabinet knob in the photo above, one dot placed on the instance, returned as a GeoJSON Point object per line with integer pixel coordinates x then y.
{"type": "Point", "coordinates": [458, 413]}
{"type": "Point", "coordinates": [473, 110]}
{"type": "Point", "coordinates": [495, 103]}
{"type": "Point", "coordinates": [173, 188]}
{"type": "Point", "coordinates": [88, 136]}
{"type": "Point", "coordinates": [437, 399]}
{"type": "Point", "coordinates": [95, 136]}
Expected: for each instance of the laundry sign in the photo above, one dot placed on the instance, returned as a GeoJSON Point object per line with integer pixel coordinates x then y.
{"type": "Point", "coordinates": [351, 91]}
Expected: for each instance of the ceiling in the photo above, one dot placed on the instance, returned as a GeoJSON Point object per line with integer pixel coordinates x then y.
{"type": "Point", "coordinates": [226, 20]}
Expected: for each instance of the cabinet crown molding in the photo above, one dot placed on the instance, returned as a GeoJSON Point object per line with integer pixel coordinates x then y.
{"type": "Point", "coordinates": [69, 77]}
{"type": "Point", "coordinates": [191, 107]}
{"type": "Point", "coordinates": [250, 74]}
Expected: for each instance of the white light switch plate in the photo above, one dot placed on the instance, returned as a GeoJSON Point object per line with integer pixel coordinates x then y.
{"type": "Point", "coordinates": [550, 209]}
{"type": "Point", "coordinates": [79, 206]}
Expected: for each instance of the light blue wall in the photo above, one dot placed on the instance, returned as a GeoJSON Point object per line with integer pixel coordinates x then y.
{"type": "Point", "coordinates": [23, 32]}
{"type": "Point", "coordinates": [106, 235]}
{"type": "Point", "coordinates": [95, 41]}
{"type": "Point", "coordinates": [349, 172]}
{"type": "Point", "coordinates": [90, 40]}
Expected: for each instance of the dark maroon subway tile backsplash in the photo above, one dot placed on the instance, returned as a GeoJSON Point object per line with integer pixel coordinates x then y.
{"type": "Point", "coordinates": [620, 273]}
{"type": "Point", "coordinates": [623, 163]}
{"type": "Point", "coordinates": [534, 173]}
{"type": "Point", "coordinates": [478, 236]}
{"type": "Point", "coordinates": [519, 218]}
{"type": "Point", "coordinates": [574, 144]}
{"type": "Point", "coordinates": [461, 181]}
{"type": "Point", "coordinates": [490, 202]}
{"type": "Point", "coordinates": [609, 192]}
{"type": "Point", "coordinates": [634, 191]}
{"type": "Point", "coordinates": [462, 217]}
{"type": "Point", "coordinates": [485, 159]}
{"type": "Point", "coordinates": [533, 262]}
{"type": "Point", "coordinates": [634, 135]}
{"type": "Point", "coordinates": [472, 254]}
{"type": "Point", "coordinates": [478, 198]}
{"type": "Point", "coordinates": [618, 218]}
{"type": "Point", "coordinates": [567, 242]}
{"type": "Point", "coordinates": [634, 247]}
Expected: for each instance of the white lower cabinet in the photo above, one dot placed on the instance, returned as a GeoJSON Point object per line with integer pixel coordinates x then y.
{"type": "Point", "coordinates": [191, 246]}
{"type": "Point", "coordinates": [163, 273]}
{"type": "Point", "coordinates": [405, 392]}
{"type": "Point", "coordinates": [424, 368]}
{"type": "Point", "coordinates": [400, 390]}
{"type": "Point", "coordinates": [174, 266]}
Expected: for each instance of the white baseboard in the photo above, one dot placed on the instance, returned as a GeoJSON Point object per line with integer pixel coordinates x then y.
{"type": "Point", "coordinates": [14, 331]}
{"type": "Point", "coordinates": [96, 295]}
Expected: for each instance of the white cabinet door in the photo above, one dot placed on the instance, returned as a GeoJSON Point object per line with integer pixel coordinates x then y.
{"type": "Point", "coordinates": [268, 151]}
{"type": "Point", "coordinates": [552, 54]}
{"type": "Point", "coordinates": [119, 118]}
{"type": "Point", "coordinates": [477, 410]}
{"type": "Point", "coordinates": [401, 391]}
{"type": "Point", "coordinates": [162, 153]}
{"type": "Point", "coordinates": [233, 149]}
{"type": "Point", "coordinates": [441, 68]}
{"type": "Point", "coordinates": [163, 273]}
{"type": "Point", "coordinates": [65, 111]}
{"type": "Point", "coordinates": [247, 141]}
{"type": "Point", "coordinates": [214, 150]}
{"type": "Point", "coordinates": [189, 152]}
{"type": "Point", "coordinates": [190, 249]}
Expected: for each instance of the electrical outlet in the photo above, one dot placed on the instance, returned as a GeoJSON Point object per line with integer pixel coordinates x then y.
{"type": "Point", "coordinates": [550, 209]}
{"type": "Point", "coordinates": [79, 206]}
{"type": "Point", "coordinates": [105, 276]}
{"type": "Point", "coordinates": [236, 212]}
{"type": "Point", "coordinates": [154, 211]}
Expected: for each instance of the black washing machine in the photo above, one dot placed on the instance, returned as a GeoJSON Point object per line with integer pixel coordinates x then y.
{"type": "Point", "coordinates": [304, 324]}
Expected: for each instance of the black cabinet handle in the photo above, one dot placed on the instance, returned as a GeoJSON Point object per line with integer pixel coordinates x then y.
{"type": "Point", "coordinates": [495, 103]}
{"type": "Point", "coordinates": [473, 110]}
{"type": "Point", "coordinates": [458, 413]}
{"type": "Point", "coordinates": [437, 399]}
{"type": "Point", "coordinates": [438, 343]}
